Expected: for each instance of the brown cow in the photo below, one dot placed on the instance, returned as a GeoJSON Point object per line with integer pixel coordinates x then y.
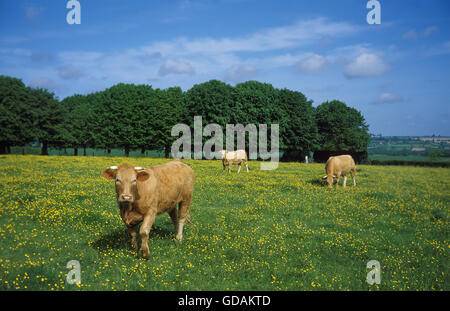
{"type": "Point", "coordinates": [337, 166]}
{"type": "Point", "coordinates": [144, 193]}
{"type": "Point", "coordinates": [234, 157]}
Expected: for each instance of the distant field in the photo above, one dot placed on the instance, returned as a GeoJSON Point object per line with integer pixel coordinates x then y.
{"type": "Point", "coordinates": [407, 158]}
{"type": "Point", "coordinates": [265, 230]}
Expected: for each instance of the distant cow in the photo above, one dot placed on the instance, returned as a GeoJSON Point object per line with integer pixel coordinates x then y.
{"type": "Point", "coordinates": [337, 166]}
{"type": "Point", "coordinates": [234, 157]}
{"type": "Point", "coordinates": [144, 193]}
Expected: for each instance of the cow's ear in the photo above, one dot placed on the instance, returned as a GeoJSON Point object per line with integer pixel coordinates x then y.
{"type": "Point", "coordinates": [324, 177]}
{"type": "Point", "coordinates": [110, 172]}
{"type": "Point", "coordinates": [142, 175]}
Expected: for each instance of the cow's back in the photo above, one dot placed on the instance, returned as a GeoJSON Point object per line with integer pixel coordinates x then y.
{"type": "Point", "coordinates": [175, 180]}
{"type": "Point", "coordinates": [174, 173]}
{"type": "Point", "coordinates": [235, 156]}
{"type": "Point", "coordinates": [340, 164]}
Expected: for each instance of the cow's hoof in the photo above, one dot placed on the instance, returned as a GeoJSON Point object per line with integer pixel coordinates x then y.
{"type": "Point", "coordinates": [146, 255]}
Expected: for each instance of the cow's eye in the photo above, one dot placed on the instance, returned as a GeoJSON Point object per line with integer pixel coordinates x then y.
{"type": "Point", "coordinates": [133, 181]}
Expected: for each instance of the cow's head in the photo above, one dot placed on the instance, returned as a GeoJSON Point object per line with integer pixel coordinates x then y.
{"type": "Point", "coordinates": [330, 179]}
{"type": "Point", "coordinates": [126, 176]}
{"type": "Point", "coordinates": [222, 153]}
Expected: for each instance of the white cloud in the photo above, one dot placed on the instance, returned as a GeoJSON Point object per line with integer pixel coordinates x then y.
{"type": "Point", "coordinates": [388, 98]}
{"type": "Point", "coordinates": [14, 56]}
{"type": "Point", "coordinates": [19, 52]}
{"type": "Point", "coordinates": [430, 30]}
{"type": "Point", "coordinates": [301, 33]}
{"type": "Point", "coordinates": [174, 67]}
{"type": "Point", "coordinates": [411, 34]}
{"type": "Point", "coordinates": [414, 35]}
{"type": "Point", "coordinates": [312, 63]}
{"type": "Point", "coordinates": [366, 65]}
{"type": "Point", "coordinates": [192, 60]}
{"type": "Point", "coordinates": [240, 73]}
{"type": "Point", "coordinates": [12, 40]}
{"type": "Point", "coordinates": [69, 72]}
{"type": "Point", "coordinates": [81, 58]}
{"type": "Point", "coordinates": [42, 57]}
{"type": "Point", "coordinates": [441, 49]}
{"type": "Point", "coordinates": [43, 83]}
{"type": "Point", "coordinates": [33, 11]}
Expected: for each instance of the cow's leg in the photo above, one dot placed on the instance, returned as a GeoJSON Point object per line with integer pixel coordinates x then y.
{"type": "Point", "coordinates": [145, 231]}
{"type": "Point", "coordinates": [354, 178]}
{"type": "Point", "coordinates": [246, 165]}
{"type": "Point", "coordinates": [183, 213]}
{"type": "Point", "coordinates": [132, 231]}
{"type": "Point", "coordinates": [337, 179]}
{"type": "Point", "coordinates": [345, 181]}
{"type": "Point", "coordinates": [229, 168]}
{"type": "Point", "coordinates": [174, 216]}
{"type": "Point", "coordinates": [240, 165]}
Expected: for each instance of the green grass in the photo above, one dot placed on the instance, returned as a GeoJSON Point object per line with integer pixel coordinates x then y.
{"type": "Point", "coordinates": [266, 230]}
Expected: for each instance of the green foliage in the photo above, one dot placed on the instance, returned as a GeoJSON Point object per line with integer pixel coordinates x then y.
{"type": "Point", "coordinates": [298, 127]}
{"type": "Point", "coordinates": [28, 115]}
{"type": "Point", "coordinates": [341, 128]}
{"type": "Point", "coordinates": [435, 154]}
{"type": "Point", "coordinates": [48, 119]}
{"type": "Point", "coordinates": [15, 117]}
{"type": "Point", "coordinates": [100, 120]}
{"type": "Point", "coordinates": [167, 110]}
{"type": "Point", "coordinates": [256, 103]}
{"type": "Point", "coordinates": [135, 116]}
{"type": "Point", "coordinates": [213, 100]}
{"type": "Point", "coordinates": [132, 116]}
{"type": "Point", "coordinates": [76, 114]}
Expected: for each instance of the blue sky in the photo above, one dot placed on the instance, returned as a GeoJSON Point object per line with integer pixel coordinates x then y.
{"type": "Point", "coordinates": [396, 73]}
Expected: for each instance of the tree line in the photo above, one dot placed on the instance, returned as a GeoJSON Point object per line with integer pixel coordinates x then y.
{"type": "Point", "coordinates": [141, 117]}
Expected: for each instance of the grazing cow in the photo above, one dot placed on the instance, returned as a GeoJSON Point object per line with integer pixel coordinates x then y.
{"type": "Point", "coordinates": [144, 193]}
{"type": "Point", "coordinates": [337, 166]}
{"type": "Point", "coordinates": [234, 157]}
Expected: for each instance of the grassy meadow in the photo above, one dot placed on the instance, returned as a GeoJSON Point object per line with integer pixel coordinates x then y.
{"type": "Point", "coordinates": [265, 230]}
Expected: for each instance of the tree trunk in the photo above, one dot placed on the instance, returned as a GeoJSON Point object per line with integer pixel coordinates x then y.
{"type": "Point", "coordinates": [75, 151]}
{"type": "Point", "coordinates": [3, 148]}
{"type": "Point", "coordinates": [108, 151]}
{"type": "Point", "coordinates": [84, 150]}
{"type": "Point", "coordinates": [44, 148]}
{"type": "Point", "coordinates": [143, 150]}
{"type": "Point", "coordinates": [167, 151]}
{"type": "Point", "coordinates": [127, 151]}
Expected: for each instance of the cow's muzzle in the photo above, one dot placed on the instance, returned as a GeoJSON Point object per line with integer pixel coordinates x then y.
{"type": "Point", "coordinates": [125, 198]}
